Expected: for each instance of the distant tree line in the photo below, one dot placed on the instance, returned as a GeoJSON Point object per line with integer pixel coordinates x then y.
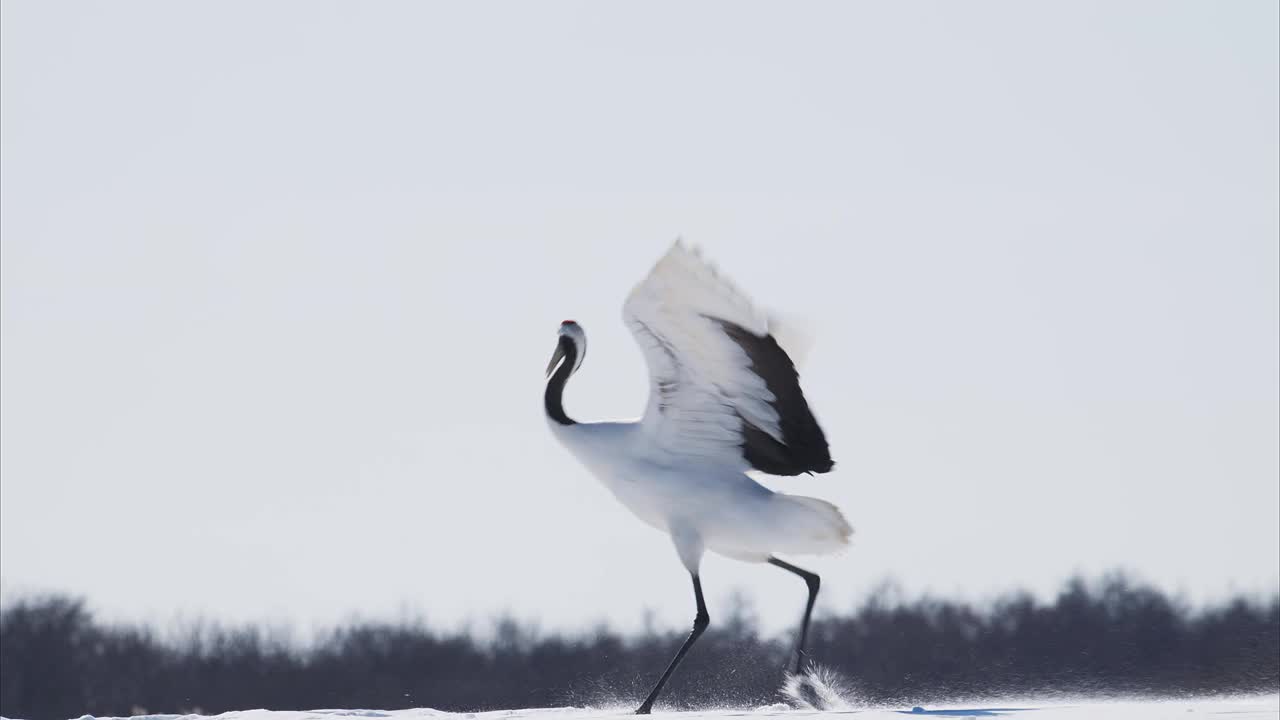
{"type": "Point", "coordinates": [1112, 637]}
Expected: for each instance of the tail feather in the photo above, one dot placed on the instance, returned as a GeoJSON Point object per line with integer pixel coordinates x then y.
{"type": "Point", "coordinates": [809, 525]}
{"type": "Point", "coordinates": [776, 523]}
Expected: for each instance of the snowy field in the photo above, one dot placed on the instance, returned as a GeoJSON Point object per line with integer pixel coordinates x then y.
{"type": "Point", "coordinates": [1232, 708]}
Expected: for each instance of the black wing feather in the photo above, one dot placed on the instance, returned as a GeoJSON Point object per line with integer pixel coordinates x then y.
{"type": "Point", "coordinates": [804, 446]}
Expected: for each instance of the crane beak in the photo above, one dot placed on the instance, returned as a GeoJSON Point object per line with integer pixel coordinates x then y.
{"type": "Point", "coordinates": [555, 359]}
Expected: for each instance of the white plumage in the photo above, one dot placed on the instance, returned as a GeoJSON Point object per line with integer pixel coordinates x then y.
{"type": "Point", "coordinates": [724, 399]}
{"type": "Point", "coordinates": [699, 379]}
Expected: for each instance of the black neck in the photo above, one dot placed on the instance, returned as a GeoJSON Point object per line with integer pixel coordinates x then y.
{"type": "Point", "coordinates": [555, 383]}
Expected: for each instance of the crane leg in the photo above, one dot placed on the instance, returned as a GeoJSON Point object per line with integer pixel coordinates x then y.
{"type": "Point", "coordinates": [813, 581]}
{"type": "Point", "coordinates": [700, 623]}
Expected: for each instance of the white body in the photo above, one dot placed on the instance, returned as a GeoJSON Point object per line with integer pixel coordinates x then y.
{"type": "Point", "coordinates": [714, 366]}
{"type": "Point", "coordinates": [703, 506]}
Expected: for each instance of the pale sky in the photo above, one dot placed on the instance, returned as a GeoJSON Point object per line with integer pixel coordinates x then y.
{"type": "Point", "coordinates": [280, 281]}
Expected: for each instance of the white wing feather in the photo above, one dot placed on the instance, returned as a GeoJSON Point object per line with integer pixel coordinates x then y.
{"type": "Point", "coordinates": [701, 383]}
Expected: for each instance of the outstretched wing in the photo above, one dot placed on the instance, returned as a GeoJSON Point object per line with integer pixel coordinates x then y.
{"type": "Point", "coordinates": [720, 386]}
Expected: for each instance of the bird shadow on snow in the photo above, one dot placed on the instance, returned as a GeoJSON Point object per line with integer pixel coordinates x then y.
{"type": "Point", "coordinates": [975, 712]}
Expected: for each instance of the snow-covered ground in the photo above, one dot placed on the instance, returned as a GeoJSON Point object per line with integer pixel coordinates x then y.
{"type": "Point", "coordinates": [1228, 709]}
